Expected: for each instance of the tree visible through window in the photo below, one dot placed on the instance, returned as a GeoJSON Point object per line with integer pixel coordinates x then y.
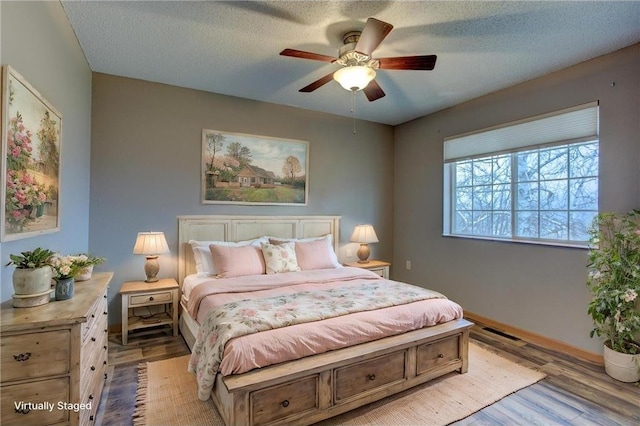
{"type": "Point", "coordinates": [544, 193]}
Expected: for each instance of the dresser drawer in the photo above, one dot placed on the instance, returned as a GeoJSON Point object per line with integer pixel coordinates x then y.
{"type": "Point", "coordinates": [34, 355]}
{"type": "Point", "coordinates": [150, 299]}
{"type": "Point", "coordinates": [438, 353]}
{"type": "Point", "coordinates": [365, 376]}
{"type": "Point", "coordinates": [97, 317]}
{"type": "Point", "coordinates": [282, 401]}
{"type": "Point", "coordinates": [51, 391]}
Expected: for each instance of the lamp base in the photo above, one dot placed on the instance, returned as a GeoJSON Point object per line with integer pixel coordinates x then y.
{"type": "Point", "coordinates": [363, 253]}
{"type": "Point", "coordinates": [151, 269]}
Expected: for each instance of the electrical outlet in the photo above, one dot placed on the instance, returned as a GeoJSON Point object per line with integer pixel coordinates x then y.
{"type": "Point", "coordinates": [407, 264]}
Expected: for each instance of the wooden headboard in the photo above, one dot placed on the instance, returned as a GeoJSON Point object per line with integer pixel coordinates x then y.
{"type": "Point", "coordinates": [239, 228]}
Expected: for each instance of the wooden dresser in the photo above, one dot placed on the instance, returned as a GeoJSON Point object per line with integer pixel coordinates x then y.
{"type": "Point", "coordinates": [54, 357]}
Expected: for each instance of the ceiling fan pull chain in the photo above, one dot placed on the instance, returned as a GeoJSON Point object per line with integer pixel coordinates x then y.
{"type": "Point", "coordinates": [353, 109]}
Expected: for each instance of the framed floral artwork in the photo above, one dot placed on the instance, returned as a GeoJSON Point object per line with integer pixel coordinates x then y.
{"type": "Point", "coordinates": [31, 130]}
{"type": "Point", "coordinates": [247, 169]}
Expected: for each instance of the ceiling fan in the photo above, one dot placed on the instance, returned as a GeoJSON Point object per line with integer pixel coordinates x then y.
{"type": "Point", "coordinates": [358, 66]}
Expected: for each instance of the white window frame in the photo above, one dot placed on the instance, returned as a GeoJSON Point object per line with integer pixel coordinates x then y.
{"type": "Point", "coordinates": [569, 126]}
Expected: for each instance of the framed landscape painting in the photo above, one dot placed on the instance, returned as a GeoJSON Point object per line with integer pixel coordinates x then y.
{"type": "Point", "coordinates": [248, 169]}
{"type": "Point", "coordinates": [31, 129]}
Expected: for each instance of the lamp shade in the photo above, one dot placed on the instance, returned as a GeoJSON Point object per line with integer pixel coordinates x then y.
{"type": "Point", "coordinates": [354, 77]}
{"type": "Point", "coordinates": [151, 243]}
{"type": "Point", "coordinates": [364, 234]}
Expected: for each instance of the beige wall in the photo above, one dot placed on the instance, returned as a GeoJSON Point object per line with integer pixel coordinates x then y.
{"type": "Point", "coordinates": [145, 167]}
{"type": "Point", "coordinates": [537, 288]}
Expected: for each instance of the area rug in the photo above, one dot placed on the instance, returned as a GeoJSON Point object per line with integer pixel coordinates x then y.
{"type": "Point", "coordinates": [167, 395]}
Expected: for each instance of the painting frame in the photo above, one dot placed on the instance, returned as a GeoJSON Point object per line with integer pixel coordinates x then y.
{"type": "Point", "coordinates": [31, 160]}
{"type": "Point", "coordinates": [246, 169]}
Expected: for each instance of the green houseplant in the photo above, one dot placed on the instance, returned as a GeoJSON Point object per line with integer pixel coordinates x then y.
{"type": "Point", "coordinates": [614, 280]}
{"type": "Point", "coordinates": [32, 277]}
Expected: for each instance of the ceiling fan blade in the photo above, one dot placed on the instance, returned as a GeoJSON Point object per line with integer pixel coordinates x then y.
{"type": "Point", "coordinates": [426, 62]}
{"type": "Point", "coordinates": [318, 83]}
{"type": "Point", "coordinates": [372, 35]}
{"type": "Point", "coordinates": [307, 55]}
{"type": "Point", "coordinates": [373, 91]}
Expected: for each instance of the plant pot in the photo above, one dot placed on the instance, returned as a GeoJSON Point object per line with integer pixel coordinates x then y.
{"type": "Point", "coordinates": [85, 273]}
{"type": "Point", "coordinates": [32, 280]}
{"type": "Point", "coordinates": [623, 367]}
{"type": "Point", "coordinates": [64, 288]}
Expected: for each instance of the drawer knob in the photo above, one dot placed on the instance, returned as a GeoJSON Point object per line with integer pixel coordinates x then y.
{"type": "Point", "coordinates": [22, 357]}
{"type": "Point", "coordinates": [105, 313]}
{"type": "Point", "coordinates": [440, 355]}
{"type": "Point", "coordinates": [151, 298]}
{"type": "Point", "coordinates": [285, 403]}
{"type": "Point", "coordinates": [105, 347]}
{"type": "Point", "coordinates": [105, 376]}
{"type": "Point", "coordinates": [93, 368]}
{"type": "Point", "coordinates": [90, 397]}
{"type": "Point", "coordinates": [22, 410]}
{"type": "Point", "coordinates": [93, 339]}
{"type": "Point", "coordinates": [371, 377]}
{"type": "Point", "coordinates": [91, 418]}
{"type": "Point", "coordinates": [93, 315]}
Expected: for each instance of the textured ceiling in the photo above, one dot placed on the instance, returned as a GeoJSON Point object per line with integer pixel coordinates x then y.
{"type": "Point", "coordinates": [233, 48]}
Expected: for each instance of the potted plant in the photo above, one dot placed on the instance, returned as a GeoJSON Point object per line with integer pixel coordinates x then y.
{"type": "Point", "coordinates": [86, 262]}
{"type": "Point", "coordinates": [614, 280]}
{"type": "Point", "coordinates": [65, 269]}
{"type": "Point", "coordinates": [31, 278]}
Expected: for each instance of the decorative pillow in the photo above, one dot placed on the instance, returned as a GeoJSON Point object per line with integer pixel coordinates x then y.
{"type": "Point", "coordinates": [314, 254]}
{"type": "Point", "coordinates": [280, 257]}
{"type": "Point", "coordinates": [237, 261]}
{"type": "Point", "coordinates": [202, 253]}
{"type": "Point", "coordinates": [305, 263]}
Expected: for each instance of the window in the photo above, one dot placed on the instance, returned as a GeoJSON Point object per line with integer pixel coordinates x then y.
{"type": "Point", "coordinates": [534, 180]}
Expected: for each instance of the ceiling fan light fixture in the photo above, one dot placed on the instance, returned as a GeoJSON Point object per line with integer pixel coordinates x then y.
{"type": "Point", "coordinates": [354, 77]}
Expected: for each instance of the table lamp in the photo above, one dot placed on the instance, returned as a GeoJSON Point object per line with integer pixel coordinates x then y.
{"type": "Point", "coordinates": [364, 234]}
{"type": "Point", "coordinates": [151, 244]}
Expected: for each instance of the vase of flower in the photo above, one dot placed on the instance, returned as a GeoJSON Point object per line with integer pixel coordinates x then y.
{"type": "Point", "coordinates": [85, 273]}
{"type": "Point", "coordinates": [64, 288]}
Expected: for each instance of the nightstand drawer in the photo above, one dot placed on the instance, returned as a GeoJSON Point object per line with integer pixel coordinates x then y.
{"type": "Point", "coordinates": [378, 271]}
{"type": "Point", "coordinates": [149, 299]}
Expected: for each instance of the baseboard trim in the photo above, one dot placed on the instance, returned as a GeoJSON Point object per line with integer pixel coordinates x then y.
{"type": "Point", "coordinates": [538, 339]}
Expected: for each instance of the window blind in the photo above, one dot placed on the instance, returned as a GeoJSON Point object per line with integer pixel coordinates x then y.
{"type": "Point", "coordinates": [575, 124]}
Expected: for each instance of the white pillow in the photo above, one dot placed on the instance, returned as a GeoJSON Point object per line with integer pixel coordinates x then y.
{"type": "Point", "coordinates": [204, 259]}
{"type": "Point", "coordinates": [280, 258]}
{"type": "Point", "coordinates": [332, 254]}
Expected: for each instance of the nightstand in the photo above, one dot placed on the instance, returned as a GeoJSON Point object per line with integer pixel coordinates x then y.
{"type": "Point", "coordinates": [380, 267]}
{"type": "Point", "coordinates": [137, 295]}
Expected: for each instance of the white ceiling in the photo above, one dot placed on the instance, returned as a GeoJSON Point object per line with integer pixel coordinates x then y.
{"type": "Point", "coordinates": [233, 48]}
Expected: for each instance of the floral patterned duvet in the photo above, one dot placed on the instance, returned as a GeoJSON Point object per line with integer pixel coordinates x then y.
{"type": "Point", "coordinates": [247, 328]}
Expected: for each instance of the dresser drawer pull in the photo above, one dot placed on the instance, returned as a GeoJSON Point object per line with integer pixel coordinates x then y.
{"type": "Point", "coordinates": [104, 362]}
{"type": "Point", "coordinates": [22, 357]}
{"type": "Point", "coordinates": [22, 410]}
{"type": "Point", "coordinates": [285, 403]}
{"type": "Point", "coordinates": [440, 355]}
{"type": "Point", "coordinates": [105, 376]}
{"type": "Point", "coordinates": [93, 368]}
{"type": "Point", "coordinates": [91, 418]}
{"type": "Point", "coordinates": [93, 339]}
{"type": "Point", "coordinates": [90, 397]}
{"type": "Point", "coordinates": [105, 313]}
{"type": "Point", "coordinates": [105, 347]}
{"type": "Point", "coordinates": [371, 377]}
{"type": "Point", "coordinates": [93, 315]}
{"type": "Point", "coordinates": [150, 298]}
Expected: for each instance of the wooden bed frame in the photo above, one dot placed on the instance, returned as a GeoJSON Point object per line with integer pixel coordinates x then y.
{"type": "Point", "coordinates": [315, 388]}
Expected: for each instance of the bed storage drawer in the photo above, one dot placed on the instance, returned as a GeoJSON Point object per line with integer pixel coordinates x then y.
{"type": "Point", "coordinates": [368, 375]}
{"type": "Point", "coordinates": [438, 353]}
{"type": "Point", "coordinates": [281, 401]}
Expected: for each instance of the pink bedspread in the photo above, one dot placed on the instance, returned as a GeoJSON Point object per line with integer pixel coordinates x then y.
{"type": "Point", "coordinates": [269, 347]}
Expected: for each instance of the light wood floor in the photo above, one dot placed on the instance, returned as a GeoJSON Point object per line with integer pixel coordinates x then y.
{"type": "Point", "coordinates": [575, 392]}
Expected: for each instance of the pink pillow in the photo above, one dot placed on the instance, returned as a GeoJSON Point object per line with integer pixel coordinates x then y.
{"type": "Point", "coordinates": [237, 261]}
{"type": "Point", "coordinates": [314, 254]}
